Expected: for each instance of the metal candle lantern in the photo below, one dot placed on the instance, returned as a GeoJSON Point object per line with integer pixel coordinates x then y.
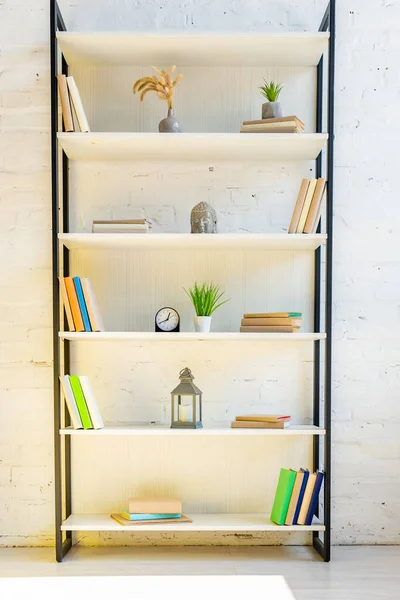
{"type": "Point", "coordinates": [186, 403]}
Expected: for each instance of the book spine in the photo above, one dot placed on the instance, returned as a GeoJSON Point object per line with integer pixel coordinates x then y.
{"type": "Point", "coordinates": [96, 321]}
{"type": "Point", "coordinates": [269, 130]}
{"type": "Point", "coordinates": [80, 402]}
{"type": "Point", "coordinates": [315, 205]}
{"type": "Point", "coordinates": [274, 315]}
{"type": "Point", "coordinates": [301, 496]}
{"type": "Point", "coordinates": [67, 306]}
{"type": "Point", "coordinates": [268, 322]}
{"type": "Point", "coordinates": [258, 425]}
{"type": "Point", "coordinates": [65, 103]}
{"type": "Point", "coordinates": [149, 517]}
{"type": "Point", "coordinates": [299, 205]}
{"type": "Point", "coordinates": [91, 402]}
{"type": "Point", "coordinates": [78, 106]}
{"type": "Point", "coordinates": [82, 305]}
{"type": "Point", "coordinates": [306, 206]}
{"type": "Point", "coordinates": [70, 402]}
{"type": "Point", "coordinates": [74, 304]}
{"type": "Point", "coordinates": [306, 499]}
{"type": "Point", "coordinates": [272, 329]}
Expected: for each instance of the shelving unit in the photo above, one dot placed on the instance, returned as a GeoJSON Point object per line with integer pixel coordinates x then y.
{"type": "Point", "coordinates": [194, 50]}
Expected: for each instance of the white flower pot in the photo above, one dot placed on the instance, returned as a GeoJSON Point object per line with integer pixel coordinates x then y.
{"type": "Point", "coordinates": [202, 324]}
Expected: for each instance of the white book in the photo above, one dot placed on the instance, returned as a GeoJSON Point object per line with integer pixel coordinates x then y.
{"type": "Point", "coordinates": [95, 318]}
{"type": "Point", "coordinates": [306, 205]}
{"type": "Point", "coordinates": [78, 106]}
{"type": "Point", "coordinates": [70, 401]}
{"type": "Point", "coordinates": [91, 402]}
{"type": "Point", "coordinates": [116, 226]}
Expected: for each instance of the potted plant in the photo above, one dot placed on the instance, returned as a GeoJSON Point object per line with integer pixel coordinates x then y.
{"type": "Point", "coordinates": [164, 86]}
{"type": "Point", "coordinates": [206, 300]}
{"type": "Point", "coordinates": [272, 108]}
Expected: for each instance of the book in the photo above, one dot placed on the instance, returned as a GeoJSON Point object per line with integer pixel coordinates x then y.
{"type": "Point", "coordinates": [91, 402]}
{"type": "Point", "coordinates": [264, 418]}
{"type": "Point", "coordinates": [123, 222]}
{"type": "Point", "coordinates": [74, 304]}
{"type": "Point", "coordinates": [306, 206]}
{"type": "Point", "coordinates": [161, 505]}
{"type": "Point", "coordinates": [299, 205]}
{"type": "Point", "coordinates": [314, 498]}
{"type": "Point", "coordinates": [269, 129]}
{"type": "Point", "coordinates": [96, 227]}
{"type": "Point", "coordinates": [259, 425]}
{"type": "Point", "coordinates": [301, 495]}
{"type": "Point", "coordinates": [122, 521]}
{"type": "Point", "coordinates": [70, 402]}
{"type": "Point", "coordinates": [82, 304]}
{"type": "Point", "coordinates": [314, 213]}
{"type": "Point", "coordinates": [294, 499]}
{"type": "Point", "coordinates": [292, 315]}
{"type": "Point", "coordinates": [276, 120]}
{"type": "Point", "coordinates": [65, 103]}
{"type": "Point", "coordinates": [319, 211]}
{"type": "Point", "coordinates": [67, 307]}
{"type": "Point", "coordinates": [268, 321]}
{"type": "Point", "coordinates": [148, 517]}
{"type": "Point", "coordinates": [95, 318]}
{"type": "Point", "coordinates": [282, 496]}
{"type": "Point", "coordinates": [271, 329]}
{"type": "Point", "coordinates": [305, 505]}
{"type": "Point", "coordinates": [80, 402]}
{"type": "Point", "coordinates": [77, 103]}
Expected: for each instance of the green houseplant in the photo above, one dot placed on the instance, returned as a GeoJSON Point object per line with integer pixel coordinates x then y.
{"type": "Point", "coordinates": [271, 92]}
{"type": "Point", "coordinates": [206, 298]}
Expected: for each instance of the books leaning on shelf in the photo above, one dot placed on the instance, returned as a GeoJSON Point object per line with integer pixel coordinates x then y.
{"type": "Point", "coordinates": [307, 210]}
{"type": "Point", "coordinates": [80, 304]}
{"type": "Point", "coordinates": [261, 422]}
{"type": "Point", "coordinates": [81, 402]}
{"type": "Point", "coordinates": [296, 497]}
{"type": "Point", "coordinates": [71, 104]}
{"type": "Point", "coordinates": [276, 125]}
{"type": "Point", "coordinates": [289, 322]}
{"type": "Point", "coordinates": [115, 226]}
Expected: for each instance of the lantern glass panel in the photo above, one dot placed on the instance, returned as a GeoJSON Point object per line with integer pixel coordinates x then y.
{"type": "Point", "coordinates": [185, 408]}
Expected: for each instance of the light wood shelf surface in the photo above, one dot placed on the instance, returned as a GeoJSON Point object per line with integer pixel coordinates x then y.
{"type": "Point", "coordinates": [151, 336]}
{"type": "Point", "coordinates": [165, 430]}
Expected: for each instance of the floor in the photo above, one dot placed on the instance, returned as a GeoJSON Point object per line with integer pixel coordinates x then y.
{"type": "Point", "coordinates": [355, 573]}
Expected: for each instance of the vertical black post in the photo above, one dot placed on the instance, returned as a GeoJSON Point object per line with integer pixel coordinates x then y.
{"type": "Point", "coordinates": [329, 277]}
{"type": "Point", "coordinates": [55, 271]}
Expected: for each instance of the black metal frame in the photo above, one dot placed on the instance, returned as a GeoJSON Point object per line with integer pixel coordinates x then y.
{"type": "Point", "coordinates": [61, 350]}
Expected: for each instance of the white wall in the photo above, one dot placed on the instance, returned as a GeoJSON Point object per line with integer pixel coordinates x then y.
{"type": "Point", "coordinates": [366, 450]}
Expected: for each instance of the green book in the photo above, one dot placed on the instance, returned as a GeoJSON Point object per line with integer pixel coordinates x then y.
{"type": "Point", "coordinates": [283, 494]}
{"type": "Point", "coordinates": [80, 402]}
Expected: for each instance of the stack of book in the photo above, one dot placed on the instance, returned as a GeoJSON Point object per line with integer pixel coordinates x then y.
{"type": "Point", "coordinates": [119, 226]}
{"type": "Point", "coordinates": [81, 402]}
{"type": "Point", "coordinates": [284, 322]}
{"type": "Point", "coordinates": [296, 497]}
{"type": "Point", "coordinates": [151, 511]}
{"type": "Point", "coordinates": [74, 116]}
{"type": "Point", "coordinates": [261, 422]}
{"type": "Point", "coordinates": [80, 304]}
{"type": "Point", "coordinates": [277, 125]}
{"type": "Point", "coordinates": [307, 210]}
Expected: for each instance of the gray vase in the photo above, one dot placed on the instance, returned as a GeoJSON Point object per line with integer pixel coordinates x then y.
{"type": "Point", "coordinates": [271, 110]}
{"type": "Point", "coordinates": [169, 124]}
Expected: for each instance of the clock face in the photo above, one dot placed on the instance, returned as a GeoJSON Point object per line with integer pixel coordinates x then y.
{"type": "Point", "coordinates": [167, 319]}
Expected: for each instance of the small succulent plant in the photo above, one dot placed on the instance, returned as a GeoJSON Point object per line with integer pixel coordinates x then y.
{"type": "Point", "coordinates": [164, 85]}
{"type": "Point", "coordinates": [271, 90]}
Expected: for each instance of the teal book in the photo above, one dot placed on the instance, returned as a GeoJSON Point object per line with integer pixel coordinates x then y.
{"type": "Point", "coordinates": [82, 303]}
{"type": "Point", "coordinates": [80, 402]}
{"type": "Point", "coordinates": [283, 494]}
{"type": "Point", "coordinates": [149, 517]}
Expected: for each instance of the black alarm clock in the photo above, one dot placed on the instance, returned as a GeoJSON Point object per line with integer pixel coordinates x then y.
{"type": "Point", "coordinates": [167, 320]}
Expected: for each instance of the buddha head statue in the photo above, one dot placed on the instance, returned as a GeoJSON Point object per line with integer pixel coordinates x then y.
{"type": "Point", "coordinates": [203, 218]}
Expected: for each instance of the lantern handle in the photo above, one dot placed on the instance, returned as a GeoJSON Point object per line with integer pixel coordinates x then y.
{"type": "Point", "coordinates": [186, 373]}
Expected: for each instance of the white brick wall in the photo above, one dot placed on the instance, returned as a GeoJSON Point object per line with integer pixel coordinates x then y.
{"type": "Point", "coordinates": [366, 448]}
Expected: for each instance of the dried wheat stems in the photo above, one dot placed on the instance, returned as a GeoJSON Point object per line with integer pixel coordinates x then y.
{"type": "Point", "coordinates": [163, 85]}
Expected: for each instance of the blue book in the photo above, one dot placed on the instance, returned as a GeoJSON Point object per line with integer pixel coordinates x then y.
{"type": "Point", "coordinates": [314, 498]}
{"type": "Point", "coordinates": [150, 517]}
{"type": "Point", "coordinates": [82, 304]}
{"type": "Point", "coordinates": [301, 495]}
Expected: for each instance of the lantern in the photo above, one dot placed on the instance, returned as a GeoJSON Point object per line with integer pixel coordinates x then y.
{"type": "Point", "coordinates": [186, 403]}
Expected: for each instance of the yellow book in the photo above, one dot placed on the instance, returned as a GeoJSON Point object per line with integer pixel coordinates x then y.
{"type": "Point", "coordinates": [74, 304]}
{"type": "Point", "coordinates": [67, 306]}
{"type": "Point", "coordinates": [315, 209]}
{"type": "Point", "coordinates": [306, 206]}
{"type": "Point", "coordinates": [307, 499]}
{"type": "Point", "coordinates": [299, 205]}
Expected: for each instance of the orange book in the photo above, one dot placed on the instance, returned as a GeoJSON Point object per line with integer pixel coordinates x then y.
{"type": "Point", "coordinates": [68, 312]}
{"type": "Point", "coordinates": [74, 304]}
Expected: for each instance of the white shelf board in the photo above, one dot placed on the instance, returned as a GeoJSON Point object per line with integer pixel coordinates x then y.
{"type": "Point", "coordinates": [289, 49]}
{"type": "Point", "coordinates": [201, 522]}
{"type": "Point", "coordinates": [221, 430]}
{"type": "Point", "coordinates": [220, 147]}
{"type": "Point", "coordinates": [151, 336]}
{"type": "Point", "coordinates": [189, 241]}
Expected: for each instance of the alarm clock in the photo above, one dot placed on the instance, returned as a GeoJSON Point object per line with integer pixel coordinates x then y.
{"type": "Point", "coordinates": [167, 320]}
